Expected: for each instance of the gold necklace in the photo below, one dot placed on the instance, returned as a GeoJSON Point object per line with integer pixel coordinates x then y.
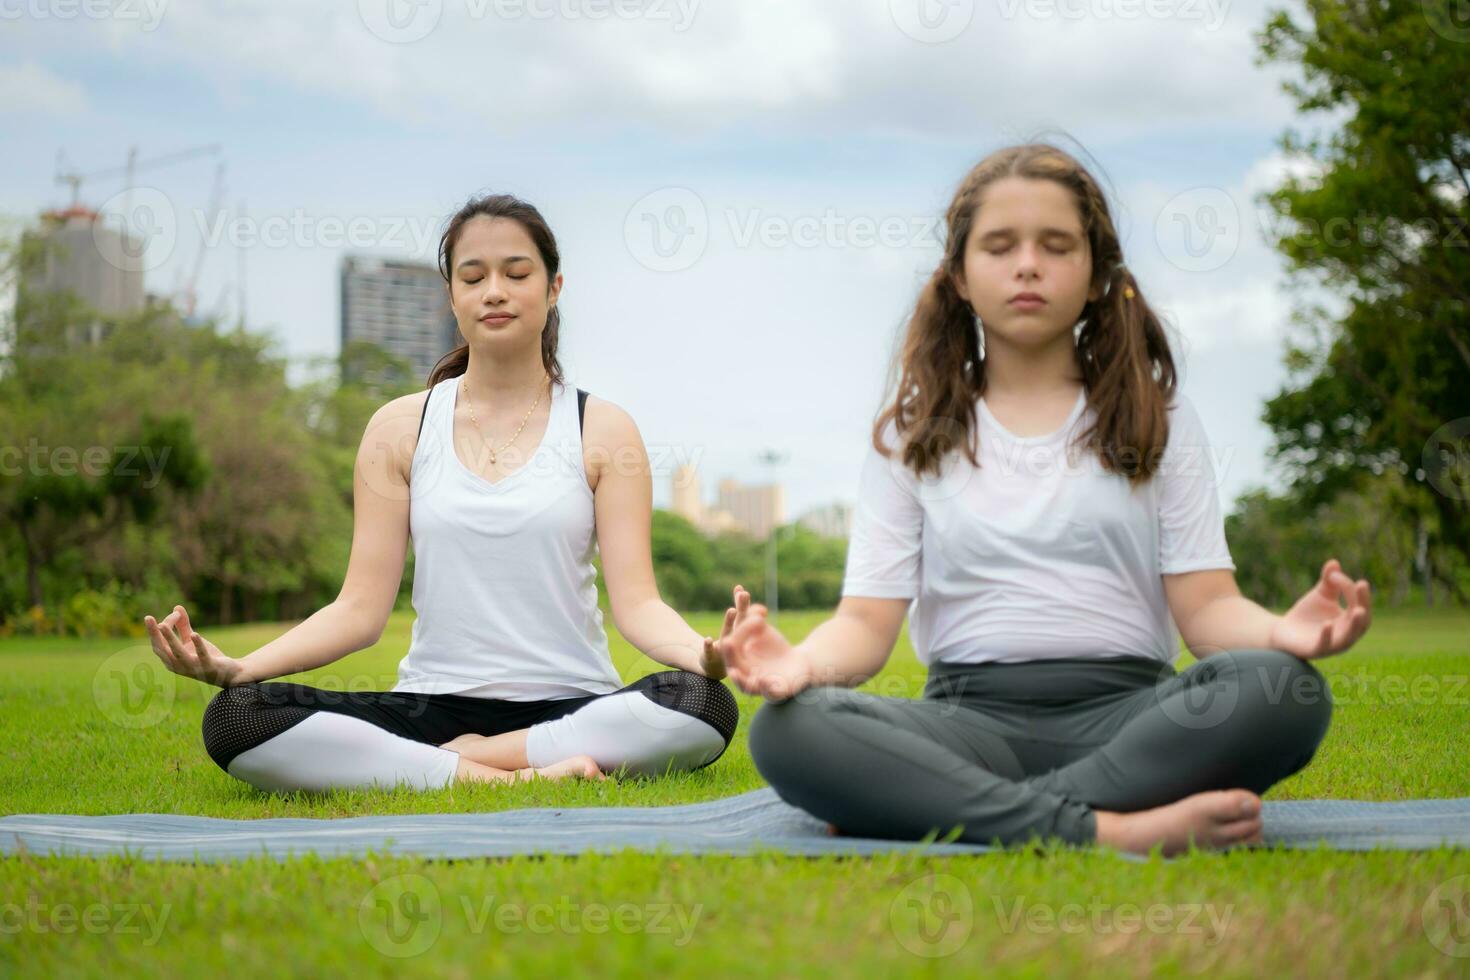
{"type": "Point", "coordinates": [476, 423]}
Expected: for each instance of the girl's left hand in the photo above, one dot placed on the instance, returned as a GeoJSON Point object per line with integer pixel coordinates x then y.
{"type": "Point", "coordinates": [1316, 626]}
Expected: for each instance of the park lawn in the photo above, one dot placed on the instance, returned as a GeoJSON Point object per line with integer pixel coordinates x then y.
{"type": "Point", "coordinates": [99, 727]}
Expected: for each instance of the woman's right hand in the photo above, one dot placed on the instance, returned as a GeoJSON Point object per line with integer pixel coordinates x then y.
{"type": "Point", "coordinates": [762, 661]}
{"type": "Point", "coordinates": [188, 653]}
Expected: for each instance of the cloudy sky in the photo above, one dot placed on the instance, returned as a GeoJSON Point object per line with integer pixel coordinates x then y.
{"type": "Point", "coordinates": [744, 190]}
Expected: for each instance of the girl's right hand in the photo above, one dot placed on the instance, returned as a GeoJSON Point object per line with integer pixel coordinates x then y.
{"type": "Point", "coordinates": [762, 661]}
{"type": "Point", "coordinates": [189, 653]}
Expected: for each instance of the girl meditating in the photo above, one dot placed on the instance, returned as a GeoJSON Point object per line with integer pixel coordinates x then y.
{"type": "Point", "coordinates": [509, 481]}
{"type": "Point", "coordinates": [1041, 501]}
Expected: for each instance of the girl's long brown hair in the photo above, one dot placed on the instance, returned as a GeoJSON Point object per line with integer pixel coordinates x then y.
{"type": "Point", "coordinates": [1122, 349]}
{"type": "Point", "coordinates": [457, 361]}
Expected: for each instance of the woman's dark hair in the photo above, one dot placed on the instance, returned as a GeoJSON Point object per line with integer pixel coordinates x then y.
{"type": "Point", "coordinates": [454, 364]}
{"type": "Point", "coordinates": [1122, 349]}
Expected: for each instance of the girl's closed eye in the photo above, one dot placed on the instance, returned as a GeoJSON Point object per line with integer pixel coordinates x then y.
{"type": "Point", "coordinates": [1054, 251]}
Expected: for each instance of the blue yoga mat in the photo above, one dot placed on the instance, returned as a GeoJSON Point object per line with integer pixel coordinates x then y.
{"type": "Point", "coordinates": [751, 823]}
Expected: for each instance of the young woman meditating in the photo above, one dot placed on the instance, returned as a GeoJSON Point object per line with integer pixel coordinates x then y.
{"type": "Point", "coordinates": [509, 481]}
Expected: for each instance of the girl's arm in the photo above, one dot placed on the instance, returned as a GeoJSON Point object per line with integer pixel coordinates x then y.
{"type": "Point", "coordinates": [1212, 615]}
{"type": "Point", "coordinates": [1206, 604]}
{"type": "Point", "coordinates": [623, 505]}
{"type": "Point", "coordinates": [356, 618]}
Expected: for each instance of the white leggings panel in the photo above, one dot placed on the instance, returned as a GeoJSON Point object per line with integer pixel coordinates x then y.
{"type": "Point", "coordinates": [327, 750]}
{"type": "Point", "coordinates": [626, 729]}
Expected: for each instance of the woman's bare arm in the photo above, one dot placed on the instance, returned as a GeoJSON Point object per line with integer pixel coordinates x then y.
{"type": "Point", "coordinates": [623, 503]}
{"type": "Point", "coordinates": [356, 618]}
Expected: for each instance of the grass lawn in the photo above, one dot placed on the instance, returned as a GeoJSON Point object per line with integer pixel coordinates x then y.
{"type": "Point", "coordinates": [99, 727]}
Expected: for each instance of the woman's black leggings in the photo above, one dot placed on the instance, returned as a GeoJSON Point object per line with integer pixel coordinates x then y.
{"type": "Point", "coordinates": [283, 736]}
{"type": "Point", "coordinates": [1011, 752]}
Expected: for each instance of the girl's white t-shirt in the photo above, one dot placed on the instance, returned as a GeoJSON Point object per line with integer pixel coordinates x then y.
{"type": "Point", "coordinates": [1039, 553]}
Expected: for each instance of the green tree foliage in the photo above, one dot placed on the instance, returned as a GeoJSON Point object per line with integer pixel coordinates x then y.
{"type": "Point", "coordinates": [698, 572]}
{"type": "Point", "coordinates": [1381, 387]}
{"type": "Point", "coordinates": [1270, 536]}
{"type": "Point", "coordinates": [215, 480]}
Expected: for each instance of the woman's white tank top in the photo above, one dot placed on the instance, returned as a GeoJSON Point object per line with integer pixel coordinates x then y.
{"type": "Point", "coordinates": [504, 588]}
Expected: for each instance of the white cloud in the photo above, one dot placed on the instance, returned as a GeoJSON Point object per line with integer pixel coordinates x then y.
{"type": "Point", "coordinates": [824, 66]}
{"type": "Point", "coordinates": [826, 76]}
{"type": "Point", "coordinates": [1250, 313]}
{"type": "Point", "coordinates": [1205, 254]}
{"type": "Point", "coordinates": [1272, 170]}
{"type": "Point", "coordinates": [33, 88]}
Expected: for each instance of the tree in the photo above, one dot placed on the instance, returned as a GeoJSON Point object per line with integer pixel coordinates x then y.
{"type": "Point", "coordinates": [1363, 528]}
{"type": "Point", "coordinates": [84, 453]}
{"type": "Point", "coordinates": [1382, 217]}
{"type": "Point", "coordinates": [682, 559]}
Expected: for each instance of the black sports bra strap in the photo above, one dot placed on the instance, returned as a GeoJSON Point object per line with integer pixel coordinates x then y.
{"type": "Point", "coordinates": [581, 408]}
{"type": "Point", "coordinates": [424, 412]}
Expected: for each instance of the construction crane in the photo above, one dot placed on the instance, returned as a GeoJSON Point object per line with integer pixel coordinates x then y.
{"type": "Point", "coordinates": [74, 180]}
{"type": "Point", "coordinates": [188, 291]}
{"type": "Point", "coordinates": [216, 199]}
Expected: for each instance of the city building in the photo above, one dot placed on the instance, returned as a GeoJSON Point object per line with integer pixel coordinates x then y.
{"type": "Point", "coordinates": [757, 509]}
{"type": "Point", "coordinates": [752, 510]}
{"type": "Point", "coordinates": [76, 251]}
{"type": "Point", "coordinates": [403, 307]}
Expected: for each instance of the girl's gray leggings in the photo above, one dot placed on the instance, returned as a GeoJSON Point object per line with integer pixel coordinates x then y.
{"type": "Point", "coordinates": [1011, 752]}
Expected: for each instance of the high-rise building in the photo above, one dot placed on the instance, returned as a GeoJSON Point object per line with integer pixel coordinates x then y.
{"type": "Point", "coordinates": [759, 509]}
{"type": "Point", "coordinates": [75, 251]}
{"type": "Point", "coordinates": [748, 510]}
{"type": "Point", "coordinates": [684, 491]}
{"type": "Point", "coordinates": [403, 307]}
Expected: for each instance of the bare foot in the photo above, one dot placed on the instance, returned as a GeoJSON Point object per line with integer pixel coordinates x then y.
{"type": "Point", "coordinates": [1212, 821]}
{"type": "Point", "coordinates": [577, 767]}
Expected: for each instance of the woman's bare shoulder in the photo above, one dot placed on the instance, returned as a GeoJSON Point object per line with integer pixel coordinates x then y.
{"type": "Point", "coordinates": [393, 430]}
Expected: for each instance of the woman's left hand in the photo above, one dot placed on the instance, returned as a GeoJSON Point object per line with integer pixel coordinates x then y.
{"type": "Point", "coordinates": [1316, 626]}
{"type": "Point", "coordinates": [713, 661]}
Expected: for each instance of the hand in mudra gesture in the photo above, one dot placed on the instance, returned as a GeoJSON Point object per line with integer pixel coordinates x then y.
{"type": "Point", "coordinates": [1317, 626]}
{"type": "Point", "coordinates": [188, 653]}
{"type": "Point", "coordinates": [757, 657]}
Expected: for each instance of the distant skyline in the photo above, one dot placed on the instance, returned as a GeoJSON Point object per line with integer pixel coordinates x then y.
{"type": "Point", "coordinates": [744, 194]}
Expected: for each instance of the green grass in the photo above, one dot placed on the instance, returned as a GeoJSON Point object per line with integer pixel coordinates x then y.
{"type": "Point", "coordinates": [72, 746]}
